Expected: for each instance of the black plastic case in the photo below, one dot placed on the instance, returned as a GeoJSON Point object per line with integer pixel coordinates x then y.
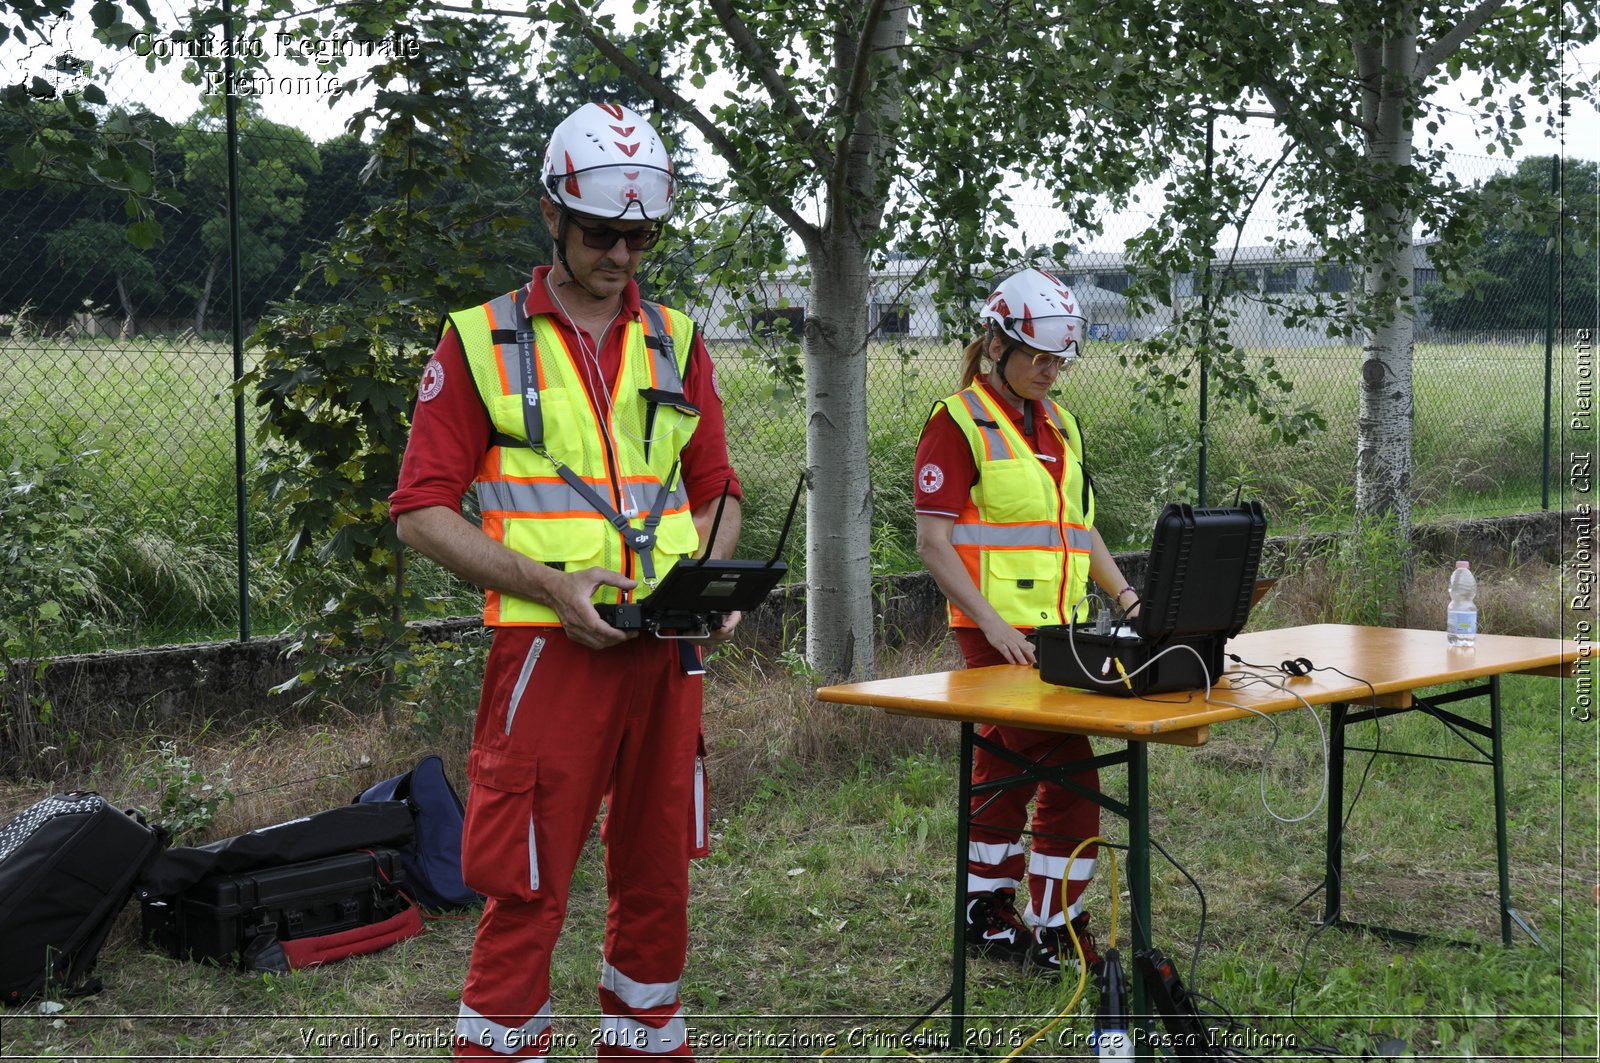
{"type": "Point", "coordinates": [1100, 654]}
{"type": "Point", "coordinates": [1197, 591]}
{"type": "Point", "coordinates": [219, 918]}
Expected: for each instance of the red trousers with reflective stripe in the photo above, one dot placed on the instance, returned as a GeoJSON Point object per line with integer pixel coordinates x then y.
{"type": "Point", "coordinates": [1061, 818]}
{"type": "Point", "coordinates": [559, 728]}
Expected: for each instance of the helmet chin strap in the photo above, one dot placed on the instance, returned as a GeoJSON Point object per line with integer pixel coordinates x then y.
{"type": "Point", "coordinates": [1000, 368]}
{"type": "Point", "coordinates": [1027, 407]}
{"type": "Point", "coordinates": [561, 256]}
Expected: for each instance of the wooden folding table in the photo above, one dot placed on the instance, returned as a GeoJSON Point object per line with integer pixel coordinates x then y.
{"type": "Point", "coordinates": [1385, 667]}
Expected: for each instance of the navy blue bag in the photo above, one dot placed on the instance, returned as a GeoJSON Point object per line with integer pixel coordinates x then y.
{"type": "Point", "coordinates": [432, 861]}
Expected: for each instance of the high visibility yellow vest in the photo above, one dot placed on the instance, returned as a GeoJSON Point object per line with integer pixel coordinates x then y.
{"type": "Point", "coordinates": [623, 451]}
{"type": "Point", "coordinates": [1023, 539]}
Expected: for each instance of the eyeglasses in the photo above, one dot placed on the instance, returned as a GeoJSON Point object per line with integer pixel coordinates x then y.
{"type": "Point", "coordinates": [604, 237]}
{"type": "Point", "coordinates": [1038, 359]}
{"type": "Point", "coordinates": [1062, 359]}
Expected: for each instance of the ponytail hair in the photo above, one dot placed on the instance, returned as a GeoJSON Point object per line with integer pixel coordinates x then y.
{"type": "Point", "coordinates": [972, 358]}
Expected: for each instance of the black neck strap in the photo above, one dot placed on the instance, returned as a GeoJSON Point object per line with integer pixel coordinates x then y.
{"type": "Point", "coordinates": [641, 541]}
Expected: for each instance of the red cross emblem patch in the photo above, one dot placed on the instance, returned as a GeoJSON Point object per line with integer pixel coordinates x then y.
{"type": "Point", "coordinates": [432, 381]}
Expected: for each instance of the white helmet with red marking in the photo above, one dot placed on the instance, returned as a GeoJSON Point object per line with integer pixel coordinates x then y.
{"type": "Point", "coordinates": [1036, 309]}
{"type": "Point", "coordinates": [607, 162]}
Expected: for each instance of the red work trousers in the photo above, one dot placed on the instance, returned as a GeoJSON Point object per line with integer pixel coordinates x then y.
{"type": "Point", "coordinates": [559, 727]}
{"type": "Point", "coordinates": [1061, 818]}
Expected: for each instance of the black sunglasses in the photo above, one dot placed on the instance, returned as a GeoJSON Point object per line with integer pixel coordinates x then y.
{"type": "Point", "coordinates": [604, 237]}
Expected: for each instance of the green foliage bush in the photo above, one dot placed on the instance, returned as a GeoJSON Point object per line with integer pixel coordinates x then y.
{"type": "Point", "coordinates": [189, 800]}
{"type": "Point", "coordinates": [47, 592]}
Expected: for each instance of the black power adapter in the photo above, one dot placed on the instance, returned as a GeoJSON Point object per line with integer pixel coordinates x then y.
{"type": "Point", "coordinates": [1187, 1036]}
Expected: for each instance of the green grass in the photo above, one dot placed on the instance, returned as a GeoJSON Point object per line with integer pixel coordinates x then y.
{"type": "Point", "coordinates": [156, 419]}
{"type": "Point", "coordinates": [824, 909]}
{"type": "Point", "coordinates": [1478, 436]}
{"type": "Point", "coordinates": [149, 425]}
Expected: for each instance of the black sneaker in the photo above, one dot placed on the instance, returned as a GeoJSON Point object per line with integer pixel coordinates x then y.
{"type": "Point", "coordinates": [993, 927]}
{"type": "Point", "coordinates": [1052, 946]}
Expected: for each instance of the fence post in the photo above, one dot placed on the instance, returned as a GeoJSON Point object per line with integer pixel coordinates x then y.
{"type": "Point", "coordinates": [1550, 321]}
{"type": "Point", "coordinates": [240, 488]}
{"type": "Point", "coordinates": [1205, 321]}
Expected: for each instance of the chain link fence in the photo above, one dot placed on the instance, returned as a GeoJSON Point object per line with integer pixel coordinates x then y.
{"type": "Point", "coordinates": [1481, 367]}
{"type": "Point", "coordinates": [116, 397]}
{"type": "Point", "coordinates": [116, 364]}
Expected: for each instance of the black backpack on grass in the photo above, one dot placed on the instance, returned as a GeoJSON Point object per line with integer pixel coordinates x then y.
{"type": "Point", "coordinates": [67, 866]}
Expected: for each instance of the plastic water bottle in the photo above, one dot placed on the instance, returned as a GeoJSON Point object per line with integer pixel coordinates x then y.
{"type": "Point", "coordinates": [1461, 621]}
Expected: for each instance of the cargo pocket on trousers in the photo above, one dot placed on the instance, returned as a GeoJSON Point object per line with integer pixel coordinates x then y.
{"type": "Point", "coordinates": [499, 854]}
{"type": "Point", "coordinates": [700, 839]}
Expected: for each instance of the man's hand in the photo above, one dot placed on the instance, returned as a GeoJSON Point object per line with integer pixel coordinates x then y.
{"type": "Point", "coordinates": [725, 632]}
{"type": "Point", "coordinates": [570, 597]}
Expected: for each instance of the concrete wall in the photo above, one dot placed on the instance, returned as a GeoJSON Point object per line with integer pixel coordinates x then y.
{"type": "Point", "coordinates": [219, 680]}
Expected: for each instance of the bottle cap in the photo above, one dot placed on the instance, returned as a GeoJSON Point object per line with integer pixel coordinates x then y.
{"type": "Point", "coordinates": [1463, 564]}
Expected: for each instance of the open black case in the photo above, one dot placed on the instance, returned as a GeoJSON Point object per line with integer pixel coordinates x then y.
{"type": "Point", "coordinates": [698, 593]}
{"type": "Point", "coordinates": [1198, 590]}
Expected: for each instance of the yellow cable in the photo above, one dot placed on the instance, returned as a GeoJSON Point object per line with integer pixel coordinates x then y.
{"type": "Point", "coordinates": [1083, 967]}
{"type": "Point", "coordinates": [1123, 672]}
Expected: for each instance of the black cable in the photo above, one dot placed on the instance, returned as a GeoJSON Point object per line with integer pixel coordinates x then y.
{"type": "Point", "coordinates": [1361, 785]}
{"type": "Point", "coordinates": [1200, 934]}
{"type": "Point", "coordinates": [1305, 955]}
{"type": "Point", "coordinates": [1227, 1018]}
{"type": "Point", "coordinates": [296, 782]}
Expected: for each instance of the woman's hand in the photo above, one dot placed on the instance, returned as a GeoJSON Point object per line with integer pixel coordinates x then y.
{"type": "Point", "coordinates": [1012, 644]}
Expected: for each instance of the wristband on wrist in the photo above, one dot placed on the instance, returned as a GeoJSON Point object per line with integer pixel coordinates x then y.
{"type": "Point", "coordinates": [1126, 590]}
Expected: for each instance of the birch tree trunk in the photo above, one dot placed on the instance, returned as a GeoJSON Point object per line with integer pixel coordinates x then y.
{"type": "Point", "coordinates": [129, 325]}
{"type": "Point", "coordinates": [839, 622]}
{"type": "Point", "coordinates": [204, 301]}
{"type": "Point", "coordinates": [1387, 408]}
{"type": "Point", "coordinates": [840, 634]}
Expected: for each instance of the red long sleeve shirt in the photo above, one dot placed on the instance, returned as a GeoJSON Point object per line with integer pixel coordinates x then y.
{"type": "Point", "coordinates": [945, 469]}
{"type": "Point", "coordinates": [450, 428]}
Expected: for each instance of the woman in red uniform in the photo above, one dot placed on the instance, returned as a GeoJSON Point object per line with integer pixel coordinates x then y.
{"type": "Point", "coordinates": [1005, 523]}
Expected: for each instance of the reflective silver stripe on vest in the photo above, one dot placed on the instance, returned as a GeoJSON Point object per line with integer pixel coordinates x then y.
{"type": "Point", "coordinates": [505, 312]}
{"type": "Point", "coordinates": [1055, 416]}
{"type": "Point", "coordinates": [518, 1041]}
{"type": "Point", "coordinates": [503, 496]}
{"type": "Point", "coordinates": [663, 353]}
{"type": "Point", "coordinates": [1039, 536]}
{"type": "Point", "coordinates": [992, 437]}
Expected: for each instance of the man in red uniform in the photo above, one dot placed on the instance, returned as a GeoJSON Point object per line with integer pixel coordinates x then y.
{"type": "Point", "coordinates": [593, 429]}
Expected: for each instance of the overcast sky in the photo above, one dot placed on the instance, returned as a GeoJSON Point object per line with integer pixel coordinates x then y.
{"type": "Point", "coordinates": [161, 90]}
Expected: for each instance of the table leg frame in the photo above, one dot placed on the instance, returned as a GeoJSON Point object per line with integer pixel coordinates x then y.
{"type": "Point", "coordinates": [1343, 716]}
{"type": "Point", "coordinates": [958, 983]}
{"type": "Point", "coordinates": [1136, 812]}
